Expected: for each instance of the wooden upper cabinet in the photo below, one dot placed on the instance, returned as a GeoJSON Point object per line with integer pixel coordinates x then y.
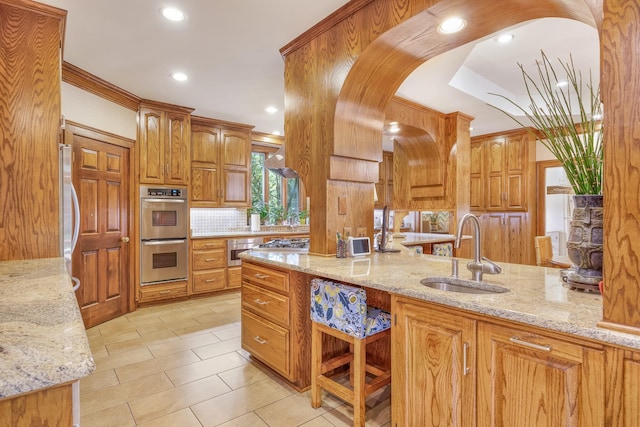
{"type": "Point", "coordinates": [529, 379]}
{"type": "Point", "coordinates": [433, 366]}
{"type": "Point", "coordinates": [164, 136]}
{"type": "Point", "coordinates": [30, 122]}
{"type": "Point", "coordinates": [220, 164]}
{"type": "Point", "coordinates": [500, 171]}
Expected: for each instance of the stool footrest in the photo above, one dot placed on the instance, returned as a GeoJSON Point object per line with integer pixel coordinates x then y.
{"type": "Point", "coordinates": [336, 362]}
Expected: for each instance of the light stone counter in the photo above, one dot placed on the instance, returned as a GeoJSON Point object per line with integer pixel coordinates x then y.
{"type": "Point", "coordinates": [410, 238]}
{"type": "Point", "coordinates": [536, 296]}
{"type": "Point", "coordinates": [43, 342]}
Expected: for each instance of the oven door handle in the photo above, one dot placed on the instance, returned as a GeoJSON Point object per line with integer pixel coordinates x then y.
{"type": "Point", "coordinates": [164, 200]}
{"type": "Point", "coordinates": [163, 242]}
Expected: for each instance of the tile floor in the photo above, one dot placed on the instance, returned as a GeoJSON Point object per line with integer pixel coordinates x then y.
{"type": "Point", "coordinates": [181, 364]}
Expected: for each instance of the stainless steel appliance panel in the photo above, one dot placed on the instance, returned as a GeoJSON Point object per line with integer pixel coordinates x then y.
{"type": "Point", "coordinates": [163, 260]}
{"type": "Point", "coordinates": [236, 246]}
{"type": "Point", "coordinates": [164, 213]}
{"type": "Point", "coordinates": [69, 211]}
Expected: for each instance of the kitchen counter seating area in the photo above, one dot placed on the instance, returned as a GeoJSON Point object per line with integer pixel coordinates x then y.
{"type": "Point", "coordinates": [43, 343]}
{"type": "Point", "coordinates": [532, 351]}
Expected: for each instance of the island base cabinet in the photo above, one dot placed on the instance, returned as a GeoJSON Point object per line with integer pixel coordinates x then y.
{"type": "Point", "coordinates": [432, 377]}
{"type": "Point", "coordinates": [527, 379]}
{"type": "Point", "coordinates": [47, 407]}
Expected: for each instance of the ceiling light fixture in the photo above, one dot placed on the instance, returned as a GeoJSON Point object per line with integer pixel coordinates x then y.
{"type": "Point", "coordinates": [181, 77]}
{"type": "Point", "coordinates": [561, 84]}
{"type": "Point", "coordinates": [173, 14]}
{"type": "Point", "coordinates": [271, 109]}
{"type": "Point", "coordinates": [276, 133]}
{"type": "Point", "coordinates": [452, 25]}
{"type": "Point", "coordinates": [505, 38]}
{"type": "Point", "coordinates": [394, 128]}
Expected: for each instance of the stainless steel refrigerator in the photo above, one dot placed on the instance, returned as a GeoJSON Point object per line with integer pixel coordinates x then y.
{"type": "Point", "coordinates": [69, 230]}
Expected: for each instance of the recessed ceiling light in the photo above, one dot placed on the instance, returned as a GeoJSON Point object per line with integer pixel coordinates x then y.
{"type": "Point", "coordinates": [470, 128]}
{"type": "Point", "coordinates": [452, 25]}
{"type": "Point", "coordinates": [173, 14]}
{"type": "Point", "coordinates": [276, 133]}
{"type": "Point", "coordinates": [179, 76]}
{"type": "Point", "coordinates": [561, 83]}
{"type": "Point", "coordinates": [505, 38]}
{"type": "Point", "coordinates": [394, 128]}
{"type": "Point", "coordinates": [271, 109]}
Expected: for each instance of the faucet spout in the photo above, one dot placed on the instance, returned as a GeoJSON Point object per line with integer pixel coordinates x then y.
{"type": "Point", "coordinates": [477, 267]}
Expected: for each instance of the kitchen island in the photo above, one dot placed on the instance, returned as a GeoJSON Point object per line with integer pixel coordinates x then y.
{"type": "Point", "coordinates": [538, 338]}
{"type": "Point", "coordinates": [43, 343]}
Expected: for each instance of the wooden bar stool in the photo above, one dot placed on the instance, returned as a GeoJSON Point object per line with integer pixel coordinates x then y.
{"type": "Point", "coordinates": [341, 311]}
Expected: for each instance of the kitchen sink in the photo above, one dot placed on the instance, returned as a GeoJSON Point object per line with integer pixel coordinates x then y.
{"type": "Point", "coordinates": [451, 284]}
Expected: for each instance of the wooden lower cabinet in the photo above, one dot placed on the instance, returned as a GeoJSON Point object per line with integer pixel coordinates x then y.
{"type": "Point", "coordinates": [432, 373]}
{"type": "Point", "coordinates": [275, 320]}
{"type": "Point", "coordinates": [163, 291]}
{"type": "Point", "coordinates": [530, 379]}
{"type": "Point", "coordinates": [48, 407]}
{"type": "Point", "coordinates": [453, 368]}
{"type": "Point", "coordinates": [208, 265]}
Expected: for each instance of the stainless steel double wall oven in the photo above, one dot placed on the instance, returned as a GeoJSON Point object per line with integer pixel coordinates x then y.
{"type": "Point", "coordinates": [164, 227]}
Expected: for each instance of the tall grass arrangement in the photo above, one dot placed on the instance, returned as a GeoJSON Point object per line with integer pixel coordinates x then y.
{"type": "Point", "coordinates": [576, 141]}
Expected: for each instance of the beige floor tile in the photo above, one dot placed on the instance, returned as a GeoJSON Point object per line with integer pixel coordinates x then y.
{"type": "Point", "coordinates": [239, 402]}
{"type": "Point", "coordinates": [205, 368]}
{"type": "Point", "coordinates": [318, 422]}
{"type": "Point", "coordinates": [229, 333]}
{"type": "Point", "coordinates": [290, 411]}
{"type": "Point", "coordinates": [181, 418]}
{"type": "Point", "coordinates": [122, 393]}
{"type": "Point", "coordinates": [376, 416]}
{"type": "Point", "coordinates": [169, 401]}
{"type": "Point", "coordinates": [217, 349]}
{"type": "Point", "coordinates": [119, 416]}
{"type": "Point", "coordinates": [146, 368]}
{"type": "Point", "coordinates": [160, 336]}
{"type": "Point", "coordinates": [98, 381]}
{"type": "Point", "coordinates": [93, 332]}
{"type": "Point", "coordinates": [248, 420]}
{"type": "Point", "coordinates": [114, 337]}
{"type": "Point", "coordinates": [98, 351]}
{"type": "Point", "coordinates": [242, 376]}
{"type": "Point", "coordinates": [122, 359]}
{"type": "Point", "coordinates": [187, 342]}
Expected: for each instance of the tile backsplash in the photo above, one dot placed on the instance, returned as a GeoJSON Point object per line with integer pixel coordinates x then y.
{"type": "Point", "coordinates": [205, 221]}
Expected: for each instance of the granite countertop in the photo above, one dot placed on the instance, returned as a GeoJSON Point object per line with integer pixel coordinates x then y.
{"type": "Point", "coordinates": [43, 342]}
{"type": "Point", "coordinates": [536, 294]}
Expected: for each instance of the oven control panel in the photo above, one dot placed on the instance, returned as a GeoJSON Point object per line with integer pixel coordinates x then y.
{"type": "Point", "coordinates": [164, 192]}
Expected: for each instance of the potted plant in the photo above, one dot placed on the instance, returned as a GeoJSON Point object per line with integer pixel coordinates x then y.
{"type": "Point", "coordinates": [276, 212]}
{"type": "Point", "coordinates": [260, 209]}
{"type": "Point", "coordinates": [302, 216]}
{"type": "Point", "coordinates": [568, 121]}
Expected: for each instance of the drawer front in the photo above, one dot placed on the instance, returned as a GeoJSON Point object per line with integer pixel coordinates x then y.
{"type": "Point", "coordinates": [234, 277]}
{"type": "Point", "coordinates": [270, 305]}
{"type": "Point", "coordinates": [208, 243]}
{"type": "Point", "coordinates": [266, 277]}
{"type": "Point", "coordinates": [206, 260]}
{"type": "Point", "coordinates": [208, 280]}
{"type": "Point", "coordinates": [163, 291]}
{"type": "Point", "coordinates": [266, 341]}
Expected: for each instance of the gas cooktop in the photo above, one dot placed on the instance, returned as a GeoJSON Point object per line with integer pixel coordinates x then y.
{"type": "Point", "coordinates": [286, 245]}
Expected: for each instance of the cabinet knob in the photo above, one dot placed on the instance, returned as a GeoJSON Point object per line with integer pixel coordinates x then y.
{"type": "Point", "coordinates": [124, 239]}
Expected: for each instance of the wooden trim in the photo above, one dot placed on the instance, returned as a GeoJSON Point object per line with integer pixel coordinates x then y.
{"type": "Point", "coordinates": [541, 167]}
{"type": "Point", "coordinates": [165, 106]}
{"type": "Point", "coordinates": [206, 121]}
{"type": "Point", "coordinates": [93, 84]}
{"type": "Point", "coordinates": [89, 132]}
{"type": "Point", "coordinates": [516, 131]}
{"type": "Point", "coordinates": [267, 138]}
{"type": "Point", "coordinates": [326, 24]}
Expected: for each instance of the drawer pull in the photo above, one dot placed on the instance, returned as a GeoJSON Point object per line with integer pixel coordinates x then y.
{"type": "Point", "coordinates": [164, 292]}
{"type": "Point", "coordinates": [262, 276]}
{"type": "Point", "coordinates": [210, 280]}
{"type": "Point", "coordinates": [260, 302]}
{"type": "Point", "coordinates": [209, 244]}
{"type": "Point", "coordinates": [259, 340]}
{"type": "Point", "coordinates": [210, 259]}
{"type": "Point", "coordinates": [465, 366]}
{"type": "Point", "coordinates": [542, 347]}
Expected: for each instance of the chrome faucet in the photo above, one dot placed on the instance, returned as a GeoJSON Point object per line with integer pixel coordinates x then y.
{"type": "Point", "coordinates": [477, 266]}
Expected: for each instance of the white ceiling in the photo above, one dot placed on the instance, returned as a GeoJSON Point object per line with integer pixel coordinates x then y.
{"type": "Point", "coordinates": [230, 51]}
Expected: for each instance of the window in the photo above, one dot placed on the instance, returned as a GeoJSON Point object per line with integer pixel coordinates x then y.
{"type": "Point", "coordinates": [281, 195]}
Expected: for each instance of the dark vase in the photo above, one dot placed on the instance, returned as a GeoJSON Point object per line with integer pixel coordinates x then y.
{"type": "Point", "coordinates": [584, 245]}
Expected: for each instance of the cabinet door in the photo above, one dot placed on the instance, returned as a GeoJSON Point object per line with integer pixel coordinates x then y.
{"type": "Point", "coordinates": [631, 390]}
{"type": "Point", "coordinates": [177, 139]}
{"type": "Point", "coordinates": [236, 169]}
{"type": "Point", "coordinates": [433, 378]}
{"type": "Point", "coordinates": [516, 153]}
{"type": "Point", "coordinates": [493, 246]}
{"type": "Point", "coordinates": [495, 172]}
{"type": "Point", "coordinates": [526, 379]}
{"type": "Point", "coordinates": [205, 187]}
{"type": "Point", "coordinates": [151, 147]}
{"type": "Point", "coordinates": [476, 177]}
{"type": "Point", "coordinates": [517, 241]}
{"type": "Point", "coordinates": [205, 146]}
